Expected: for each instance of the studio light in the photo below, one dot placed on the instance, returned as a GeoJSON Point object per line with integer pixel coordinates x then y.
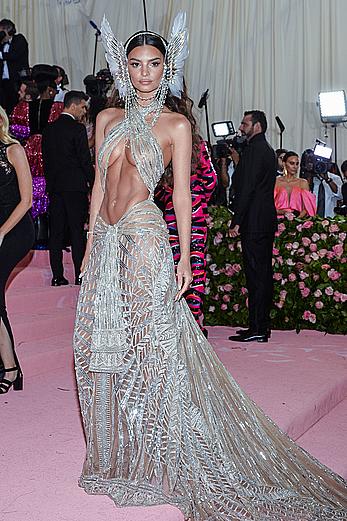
{"type": "Point", "coordinates": [333, 106]}
{"type": "Point", "coordinates": [223, 128]}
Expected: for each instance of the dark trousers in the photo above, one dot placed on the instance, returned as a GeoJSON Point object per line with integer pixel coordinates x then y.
{"type": "Point", "coordinates": [257, 259]}
{"type": "Point", "coordinates": [67, 209]}
{"type": "Point", "coordinates": [15, 246]}
{"type": "Point", "coordinates": [8, 95]}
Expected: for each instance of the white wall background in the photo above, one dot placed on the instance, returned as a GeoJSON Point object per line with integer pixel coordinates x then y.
{"type": "Point", "coordinates": [274, 55]}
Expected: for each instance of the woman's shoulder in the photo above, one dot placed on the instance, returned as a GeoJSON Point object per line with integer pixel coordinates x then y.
{"type": "Point", "coordinates": [109, 114]}
{"type": "Point", "coordinates": [303, 184]}
{"type": "Point", "coordinates": [176, 121]}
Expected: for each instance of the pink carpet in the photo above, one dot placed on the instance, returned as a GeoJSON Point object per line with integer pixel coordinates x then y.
{"type": "Point", "coordinates": [300, 381]}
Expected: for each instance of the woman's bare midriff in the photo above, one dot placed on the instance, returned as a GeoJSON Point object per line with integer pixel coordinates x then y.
{"type": "Point", "coordinates": [124, 188]}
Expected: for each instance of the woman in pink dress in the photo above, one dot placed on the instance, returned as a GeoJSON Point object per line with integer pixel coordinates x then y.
{"type": "Point", "coordinates": [292, 194]}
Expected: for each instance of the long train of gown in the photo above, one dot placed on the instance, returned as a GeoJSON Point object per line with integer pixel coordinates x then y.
{"type": "Point", "coordinates": [164, 421]}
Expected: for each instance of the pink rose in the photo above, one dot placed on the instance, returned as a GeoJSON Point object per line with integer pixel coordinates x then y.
{"type": "Point", "coordinates": [334, 228]}
{"type": "Point", "coordinates": [295, 245]}
{"type": "Point", "coordinates": [208, 257]}
{"type": "Point", "coordinates": [325, 266]}
{"type": "Point", "coordinates": [236, 307]}
{"type": "Point", "coordinates": [292, 277]}
{"type": "Point", "coordinates": [244, 291]}
{"type": "Point", "coordinates": [303, 275]}
{"type": "Point", "coordinates": [279, 304]}
{"type": "Point", "coordinates": [226, 298]}
{"type": "Point", "coordinates": [338, 250]}
{"type": "Point", "coordinates": [343, 297]}
{"type": "Point", "coordinates": [307, 224]}
{"type": "Point", "coordinates": [319, 304]}
{"type": "Point", "coordinates": [313, 247]}
{"type": "Point", "coordinates": [325, 223]}
{"type": "Point", "coordinates": [275, 251]}
{"type": "Point", "coordinates": [305, 292]}
{"type": "Point", "coordinates": [290, 216]}
{"type": "Point", "coordinates": [236, 267]}
{"type": "Point", "coordinates": [315, 237]}
{"type": "Point", "coordinates": [299, 227]}
{"type": "Point", "coordinates": [229, 271]}
{"type": "Point", "coordinates": [300, 251]}
{"type": "Point", "coordinates": [281, 228]}
{"type": "Point", "coordinates": [301, 285]}
{"type": "Point", "coordinates": [218, 238]}
{"type": "Point", "coordinates": [289, 245]}
{"type": "Point", "coordinates": [314, 256]}
{"type": "Point", "coordinates": [342, 236]}
{"type": "Point", "coordinates": [306, 241]}
{"type": "Point", "coordinates": [231, 247]}
{"type": "Point", "coordinates": [224, 307]}
{"type": "Point", "coordinates": [317, 293]}
{"type": "Point", "coordinates": [277, 276]}
{"type": "Point", "coordinates": [323, 236]}
{"type": "Point", "coordinates": [283, 294]}
{"type": "Point", "coordinates": [280, 259]}
{"type": "Point", "coordinates": [228, 287]}
{"type": "Point", "coordinates": [334, 275]}
{"type": "Point", "coordinates": [211, 309]}
{"type": "Point", "coordinates": [290, 262]}
{"type": "Point", "coordinates": [329, 291]}
{"type": "Point", "coordinates": [330, 255]}
{"type": "Point", "coordinates": [312, 318]}
{"type": "Point", "coordinates": [322, 252]}
{"type": "Point", "coordinates": [306, 315]}
{"type": "Point", "coordinates": [315, 277]}
{"type": "Point", "coordinates": [307, 259]}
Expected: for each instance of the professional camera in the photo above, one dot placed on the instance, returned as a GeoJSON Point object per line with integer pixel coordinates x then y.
{"type": "Point", "coordinates": [317, 161]}
{"type": "Point", "coordinates": [222, 148]}
{"type": "Point", "coordinates": [98, 85]}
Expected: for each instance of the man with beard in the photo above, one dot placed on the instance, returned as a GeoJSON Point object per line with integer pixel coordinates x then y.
{"type": "Point", "coordinates": [255, 220]}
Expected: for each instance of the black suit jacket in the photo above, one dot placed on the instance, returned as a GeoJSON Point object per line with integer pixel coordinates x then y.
{"type": "Point", "coordinates": [17, 57]}
{"type": "Point", "coordinates": [253, 186]}
{"type": "Point", "coordinates": [66, 157]}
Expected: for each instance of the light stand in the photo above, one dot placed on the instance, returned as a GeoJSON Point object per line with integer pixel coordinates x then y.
{"type": "Point", "coordinates": [97, 34]}
{"type": "Point", "coordinates": [282, 129]}
{"type": "Point", "coordinates": [203, 103]}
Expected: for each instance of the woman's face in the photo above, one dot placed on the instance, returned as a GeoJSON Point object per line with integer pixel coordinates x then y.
{"type": "Point", "coordinates": [292, 166]}
{"type": "Point", "coordinates": [146, 66]}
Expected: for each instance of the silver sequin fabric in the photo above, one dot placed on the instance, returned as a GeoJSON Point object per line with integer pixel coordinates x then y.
{"type": "Point", "coordinates": [164, 421]}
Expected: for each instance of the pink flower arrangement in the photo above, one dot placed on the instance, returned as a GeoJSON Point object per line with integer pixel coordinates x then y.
{"type": "Point", "coordinates": [315, 237]}
{"type": "Point", "coordinates": [305, 292]}
{"type": "Point", "coordinates": [291, 277]}
{"type": "Point", "coordinates": [224, 307]}
{"type": "Point", "coordinates": [333, 228]}
{"type": "Point", "coordinates": [277, 276]}
{"type": "Point", "coordinates": [313, 247]}
{"type": "Point", "coordinates": [311, 317]}
{"type": "Point", "coordinates": [329, 291]}
{"type": "Point", "coordinates": [318, 293]}
{"type": "Point", "coordinates": [338, 249]}
{"type": "Point", "coordinates": [228, 287]}
{"type": "Point", "coordinates": [306, 241]}
{"type": "Point", "coordinates": [244, 291]}
{"type": "Point", "coordinates": [319, 304]}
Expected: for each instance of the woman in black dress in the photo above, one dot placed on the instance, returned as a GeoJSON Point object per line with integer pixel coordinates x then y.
{"type": "Point", "coordinates": [16, 239]}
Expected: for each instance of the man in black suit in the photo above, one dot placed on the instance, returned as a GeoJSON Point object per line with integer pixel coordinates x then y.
{"type": "Point", "coordinates": [255, 219]}
{"type": "Point", "coordinates": [14, 60]}
{"type": "Point", "coordinates": [69, 177]}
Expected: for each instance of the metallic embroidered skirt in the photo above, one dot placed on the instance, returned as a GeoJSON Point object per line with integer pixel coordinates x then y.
{"type": "Point", "coordinates": [164, 421]}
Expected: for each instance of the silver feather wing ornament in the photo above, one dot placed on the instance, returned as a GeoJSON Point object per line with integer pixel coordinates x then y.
{"type": "Point", "coordinates": [116, 58]}
{"type": "Point", "coordinates": [176, 54]}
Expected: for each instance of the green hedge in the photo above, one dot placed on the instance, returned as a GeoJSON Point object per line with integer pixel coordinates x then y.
{"type": "Point", "coordinates": [309, 260]}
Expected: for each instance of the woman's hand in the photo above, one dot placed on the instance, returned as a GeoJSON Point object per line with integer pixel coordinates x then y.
{"type": "Point", "coordinates": [86, 255]}
{"type": "Point", "coordinates": [184, 277]}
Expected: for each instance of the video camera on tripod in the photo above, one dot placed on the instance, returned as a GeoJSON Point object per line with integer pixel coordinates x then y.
{"type": "Point", "coordinates": [223, 129]}
{"type": "Point", "coordinates": [317, 161]}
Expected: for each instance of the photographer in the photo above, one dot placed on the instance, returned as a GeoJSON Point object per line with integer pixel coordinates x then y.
{"type": "Point", "coordinates": [255, 219]}
{"type": "Point", "coordinates": [13, 60]}
{"type": "Point", "coordinates": [327, 189]}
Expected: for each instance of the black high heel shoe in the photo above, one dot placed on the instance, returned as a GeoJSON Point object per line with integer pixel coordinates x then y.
{"type": "Point", "coordinates": [5, 385]}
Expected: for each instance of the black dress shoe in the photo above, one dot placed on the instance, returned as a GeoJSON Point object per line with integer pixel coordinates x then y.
{"type": "Point", "coordinates": [245, 332]}
{"type": "Point", "coordinates": [250, 337]}
{"type": "Point", "coordinates": [59, 281]}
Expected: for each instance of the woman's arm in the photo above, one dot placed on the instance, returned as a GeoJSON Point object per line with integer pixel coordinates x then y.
{"type": "Point", "coordinates": [97, 192]}
{"type": "Point", "coordinates": [17, 157]}
{"type": "Point", "coordinates": [181, 197]}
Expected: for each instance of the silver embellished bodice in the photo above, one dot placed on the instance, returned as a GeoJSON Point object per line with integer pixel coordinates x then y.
{"type": "Point", "coordinates": [136, 131]}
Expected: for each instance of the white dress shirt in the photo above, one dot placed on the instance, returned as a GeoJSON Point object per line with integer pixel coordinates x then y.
{"type": "Point", "coordinates": [5, 73]}
{"type": "Point", "coordinates": [330, 197]}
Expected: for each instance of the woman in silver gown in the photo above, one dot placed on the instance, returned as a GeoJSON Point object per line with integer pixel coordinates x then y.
{"type": "Point", "coordinates": [164, 421]}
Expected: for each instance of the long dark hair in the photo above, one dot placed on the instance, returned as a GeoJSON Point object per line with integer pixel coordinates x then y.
{"type": "Point", "coordinates": [183, 105]}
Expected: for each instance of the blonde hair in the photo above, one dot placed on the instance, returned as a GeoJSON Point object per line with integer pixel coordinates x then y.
{"type": "Point", "coordinates": [4, 126]}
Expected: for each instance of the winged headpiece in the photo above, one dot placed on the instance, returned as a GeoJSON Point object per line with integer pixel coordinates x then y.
{"type": "Point", "coordinates": [176, 53]}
